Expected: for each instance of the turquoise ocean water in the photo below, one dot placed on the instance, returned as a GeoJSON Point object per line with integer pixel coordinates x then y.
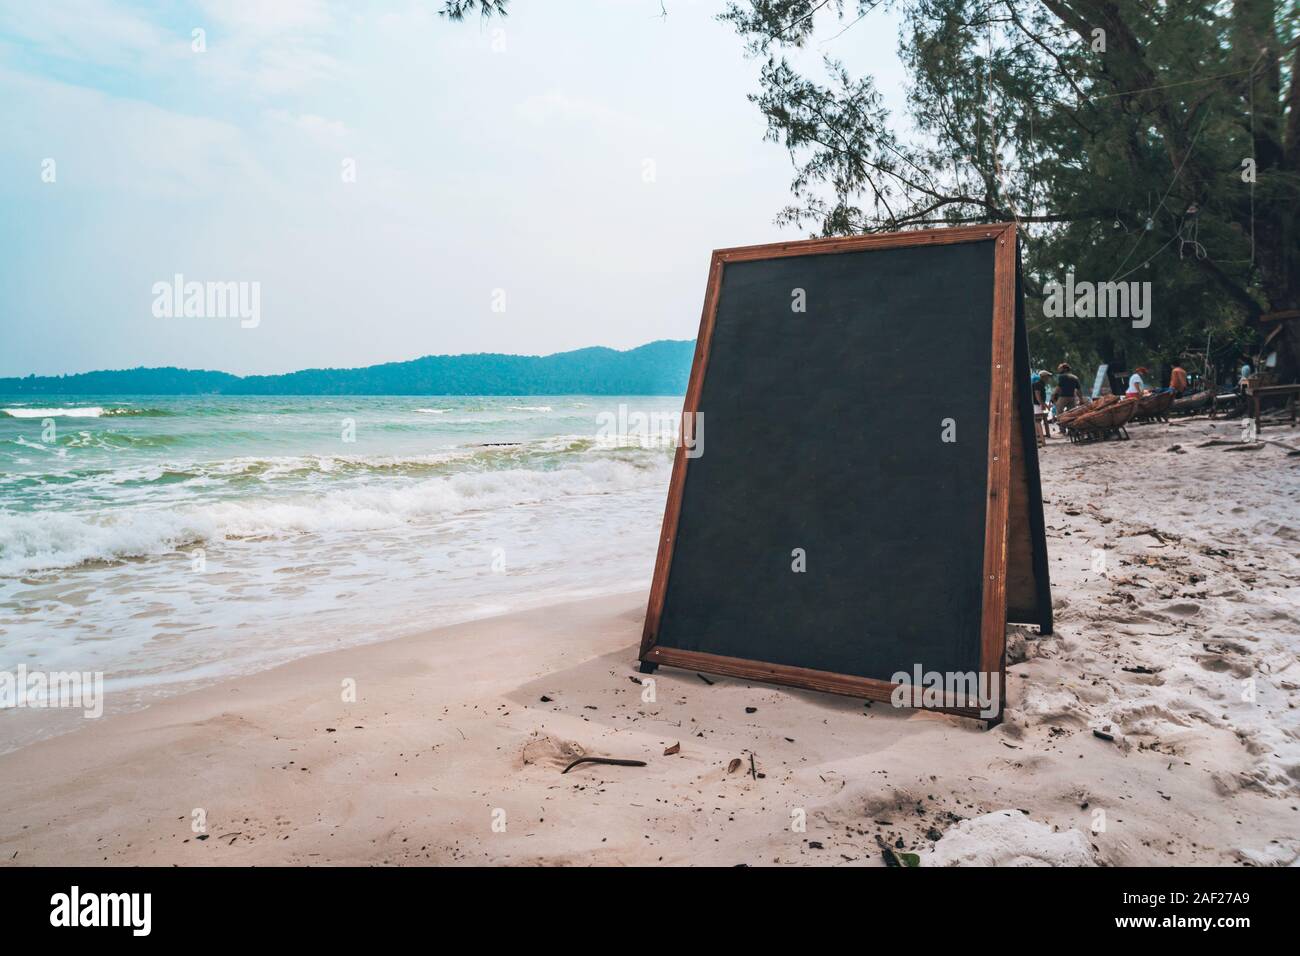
{"type": "Point", "coordinates": [165, 541]}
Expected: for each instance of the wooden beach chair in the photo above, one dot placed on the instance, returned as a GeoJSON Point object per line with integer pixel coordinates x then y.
{"type": "Point", "coordinates": [1153, 408]}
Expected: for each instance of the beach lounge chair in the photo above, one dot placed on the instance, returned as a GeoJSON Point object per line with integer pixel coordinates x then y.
{"type": "Point", "coordinates": [1153, 408]}
{"type": "Point", "coordinates": [1102, 423]}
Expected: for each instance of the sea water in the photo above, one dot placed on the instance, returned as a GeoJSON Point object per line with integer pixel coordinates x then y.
{"type": "Point", "coordinates": [171, 541]}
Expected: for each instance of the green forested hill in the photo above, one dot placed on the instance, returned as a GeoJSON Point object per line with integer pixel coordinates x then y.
{"type": "Point", "coordinates": [659, 368]}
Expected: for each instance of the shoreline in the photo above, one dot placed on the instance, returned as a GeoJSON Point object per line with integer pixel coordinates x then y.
{"type": "Point", "coordinates": [165, 551]}
{"type": "Point", "coordinates": [459, 731]}
{"type": "Point", "coordinates": [26, 726]}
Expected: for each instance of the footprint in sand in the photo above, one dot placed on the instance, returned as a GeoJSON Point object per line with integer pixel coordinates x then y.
{"type": "Point", "coordinates": [1146, 718]}
{"type": "Point", "coordinates": [1222, 665]}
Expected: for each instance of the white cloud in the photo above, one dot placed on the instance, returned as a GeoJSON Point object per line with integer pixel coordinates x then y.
{"type": "Point", "coordinates": [556, 106]}
{"type": "Point", "coordinates": [92, 31]}
{"type": "Point", "coordinates": [318, 128]}
{"type": "Point", "coordinates": [106, 142]}
{"type": "Point", "coordinates": [268, 18]}
{"type": "Point", "coordinates": [289, 65]}
{"type": "Point", "coordinates": [265, 47]}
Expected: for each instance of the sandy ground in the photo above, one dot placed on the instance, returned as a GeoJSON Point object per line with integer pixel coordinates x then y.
{"type": "Point", "coordinates": [1184, 650]}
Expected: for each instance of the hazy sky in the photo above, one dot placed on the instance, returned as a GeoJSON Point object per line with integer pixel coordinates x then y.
{"type": "Point", "coordinates": [512, 155]}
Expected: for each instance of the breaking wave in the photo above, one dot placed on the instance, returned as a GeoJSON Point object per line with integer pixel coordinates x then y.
{"type": "Point", "coordinates": [85, 411]}
{"type": "Point", "coordinates": [47, 540]}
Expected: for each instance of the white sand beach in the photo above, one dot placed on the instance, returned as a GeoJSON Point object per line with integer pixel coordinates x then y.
{"type": "Point", "coordinates": [1185, 652]}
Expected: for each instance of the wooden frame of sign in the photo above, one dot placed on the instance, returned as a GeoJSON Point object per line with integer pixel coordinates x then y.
{"type": "Point", "coordinates": [1015, 583]}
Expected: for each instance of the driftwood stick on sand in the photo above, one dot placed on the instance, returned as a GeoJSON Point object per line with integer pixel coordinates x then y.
{"type": "Point", "coordinates": [611, 761]}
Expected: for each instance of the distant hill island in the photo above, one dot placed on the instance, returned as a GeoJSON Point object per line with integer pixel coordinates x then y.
{"type": "Point", "coordinates": [659, 368]}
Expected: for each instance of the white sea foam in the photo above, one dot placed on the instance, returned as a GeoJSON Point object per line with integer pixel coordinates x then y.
{"type": "Point", "coordinates": [48, 449]}
{"type": "Point", "coordinates": [529, 408]}
{"type": "Point", "coordinates": [50, 540]}
{"type": "Point", "coordinates": [90, 411]}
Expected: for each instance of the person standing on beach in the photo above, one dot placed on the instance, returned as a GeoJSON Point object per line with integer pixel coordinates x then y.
{"type": "Point", "coordinates": [1245, 375]}
{"type": "Point", "coordinates": [1135, 383]}
{"type": "Point", "coordinates": [1067, 389]}
{"type": "Point", "coordinates": [1038, 387]}
{"type": "Point", "coordinates": [1178, 380]}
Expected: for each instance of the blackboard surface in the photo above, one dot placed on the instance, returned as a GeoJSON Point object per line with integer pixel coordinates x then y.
{"type": "Point", "coordinates": [823, 432]}
{"type": "Point", "coordinates": [829, 536]}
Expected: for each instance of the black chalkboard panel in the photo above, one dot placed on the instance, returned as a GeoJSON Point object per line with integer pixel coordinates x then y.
{"type": "Point", "coordinates": [828, 535]}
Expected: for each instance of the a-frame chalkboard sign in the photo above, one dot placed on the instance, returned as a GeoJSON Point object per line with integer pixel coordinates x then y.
{"type": "Point", "coordinates": [865, 501]}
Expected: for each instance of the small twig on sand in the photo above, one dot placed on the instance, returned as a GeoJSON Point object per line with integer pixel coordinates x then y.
{"type": "Point", "coordinates": [611, 761]}
{"type": "Point", "coordinates": [705, 679]}
{"type": "Point", "coordinates": [1162, 537]}
{"type": "Point", "coordinates": [1290, 449]}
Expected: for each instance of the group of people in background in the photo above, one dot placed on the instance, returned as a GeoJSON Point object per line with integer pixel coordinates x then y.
{"type": "Point", "coordinates": [1069, 390]}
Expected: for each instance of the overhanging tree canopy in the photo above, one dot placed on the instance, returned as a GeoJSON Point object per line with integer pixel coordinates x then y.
{"type": "Point", "coordinates": [1132, 140]}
